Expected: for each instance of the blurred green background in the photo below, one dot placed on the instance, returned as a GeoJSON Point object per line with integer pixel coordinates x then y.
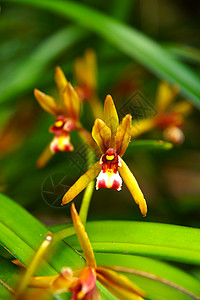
{"type": "Point", "coordinates": [33, 42]}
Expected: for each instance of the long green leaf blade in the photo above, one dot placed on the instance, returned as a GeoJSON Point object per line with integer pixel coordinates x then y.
{"type": "Point", "coordinates": [156, 278]}
{"type": "Point", "coordinates": [130, 41]}
{"type": "Point", "coordinates": [163, 241]}
{"type": "Point", "coordinates": [31, 70]}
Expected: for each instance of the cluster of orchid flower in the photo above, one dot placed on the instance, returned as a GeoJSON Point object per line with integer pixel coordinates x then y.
{"type": "Point", "coordinates": [112, 138]}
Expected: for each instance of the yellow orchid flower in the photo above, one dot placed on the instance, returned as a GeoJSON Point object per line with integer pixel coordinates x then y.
{"type": "Point", "coordinates": [17, 127]}
{"type": "Point", "coordinates": [67, 116]}
{"type": "Point", "coordinates": [82, 283]}
{"type": "Point", "coordinates": [112, 139]}
{"type": "Point", "coordinates": [169, 119]}
{"type": "Point", "coordinates": [85, 70]}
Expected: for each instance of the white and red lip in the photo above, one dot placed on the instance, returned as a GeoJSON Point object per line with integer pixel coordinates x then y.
{"type": "Point", "coordinates": [109, 176]}
{"type": "Point", "coordinates": [61, 143]}
{"type": "Point", "coordinates": [108, 179]}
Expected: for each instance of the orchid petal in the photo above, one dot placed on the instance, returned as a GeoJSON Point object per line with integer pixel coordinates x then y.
{"type": "Point", "coordinates": [64, 281]}
{"type": "Point", "coordinates": [183, 108]}
{"type": "Point", "coordinates": [44, 157]}
{"type": "Point", "coordinates": [142, 126]}
{"type": "Point", "coordinates": [71, 101]}
{"type": "Point", "coordinates": [96, 107]}
{"type": "Point", "coordinates": [79, 71]}
{"type": "Point", "coordinates": [101, 134]}
{"type": "Point", "coordinates": [119, 281]}
{"type": "Point", "coordinates": [91, 68]}
{"type": "Point", "coordinates": [123, 135]}
{"type": "Point", "coordinates": [165, 95]}
{"type": "Point", "coordinates": [85, 69]}
{"type": "Point", "coordinates": [133, 187]}
{"type": "Point", "coordinates": [39, 294]}
{"type": "Point", "coordinates": [60, 80]}
{"type": "Point", "coordinates": [81, 183]}
{"type": "Point", "coordinates": [118, 291]}
{"type": "Point", "coordinates": [42, 281]}
{"type": "Point", "coordinates": [95, 295]}
{"type": "Point", "coordinates": [111, 117]}
{"type": "Point", "coordinates": [83, 239]}
{"type": "Point", "coordinates": [48, 103]}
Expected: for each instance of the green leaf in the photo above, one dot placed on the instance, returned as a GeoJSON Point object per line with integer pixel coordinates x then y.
{"type": "Point", "coordinates": [185, 52]}
{"type": "Point", "coordinates": [22, 234]}
{"type": "Point", "coordinates": [130, 41]}
{"type": "Point", "coordinates": [163, 241]}
{"type": "Point", "coordinates": [8, 275]}
{"type": "Point", "coordinates": [147, 145]}
{"type": "Point", "coordinates": [156, 286]}
{"type": "Point", "coordinates": [32, 69]}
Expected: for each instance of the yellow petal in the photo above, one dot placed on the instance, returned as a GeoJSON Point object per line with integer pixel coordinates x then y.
{"type": "Point", "coordinates": [91, 66]}
{"type": "Point", "coordinates": [44, 157]}
{"type": "Point", "coordinates": [42, 281]}
{"type": "Point", "coordinates": [60, 80]}
{"type": "Point", "coordinates": [133, 187]}
{"type": "Point", "coordinates": [79, 71]}
{"type": "Point", "coordinates": [83, 238]}
{"type": "Point", "coordinates": [183, 108]}
{"type": "Point", "coordinates": [85, 70]}
{"type": "Point", "coordinates": [111, 117]}
{"type": "Point", "coordinates": [96, 107]}
{"type": "Point", "coordinates": [48, 103]}
{"type": "Point", "coordinates": [102, 135]}
{"type": "Point", "coordinates": [123, 135]}
{"type": "Point", "coordinates": [142, 126]}
{"type": "Point", "coordinates": [118, 290]}
{"type": "Point", "coordinates": [64, 281]}
{"type": "Point", "coordinates": [95, 295]}
{"type": "Point", "coordinates": [81, 183]}
{"type": "Point", "coordinates": [165, 95]}
{"type": "Point", "coordinates": [71, 101]}
{"type": "Point", "coordinates": [39, 294]}
{"type": "Point", "coordinates": [119, 280]}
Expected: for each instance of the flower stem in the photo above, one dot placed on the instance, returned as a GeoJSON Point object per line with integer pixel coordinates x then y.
{"type": "Point", "coordinates": [64, 233]}
{"type": "Point", "coordinates": [89, 190]}
{"type": "Point", "coordinates": [33, 266]}
{"type": "Point", "coordinates": [86, 202]}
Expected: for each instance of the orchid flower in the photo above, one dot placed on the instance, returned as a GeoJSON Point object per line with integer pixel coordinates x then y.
{"type": "Point", "coordinates": [112, 139]}
{"type": "Point", "coordinates": [85, 70]}
{"type": "Point", "coordinates": [169, 119]}
{"type": "Point", "coordinates": [82, 283]}
{"type": "Point", "coordinates": [66, 113]}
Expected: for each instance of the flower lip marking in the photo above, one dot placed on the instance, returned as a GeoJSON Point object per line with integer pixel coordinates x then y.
{"type": "Point", "coordinates": [110, 157]}
{"type": "Point", "coordinates": [109, 176]}
{"type": "Point", "coordinates": [58, 123]}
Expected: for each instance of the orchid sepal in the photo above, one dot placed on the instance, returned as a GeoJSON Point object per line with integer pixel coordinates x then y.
{"type": "Point", "coordinates": [133, 187]}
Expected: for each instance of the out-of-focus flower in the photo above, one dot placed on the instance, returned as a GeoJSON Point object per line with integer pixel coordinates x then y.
{"type": "Point", "coordinates": [66, 113]}
{"type": "Point", "coordinates": [85, 69]}
{"type": "Point", "coordinates": [82, 283]}
{"type": "Point", "coordinates": [17, 127]}
{"type": "Point", "coordinates": [169, 118]}
{"type": "Point", "coordinates": [112, 139]}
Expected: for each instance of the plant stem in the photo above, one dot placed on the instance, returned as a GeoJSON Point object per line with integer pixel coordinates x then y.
{"type": "Point", "coordinates": [64, 233]}
{"type": "Point", "coordinates": [86, 202]}
{"type": "Point", "coordinates": [33, 266]}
